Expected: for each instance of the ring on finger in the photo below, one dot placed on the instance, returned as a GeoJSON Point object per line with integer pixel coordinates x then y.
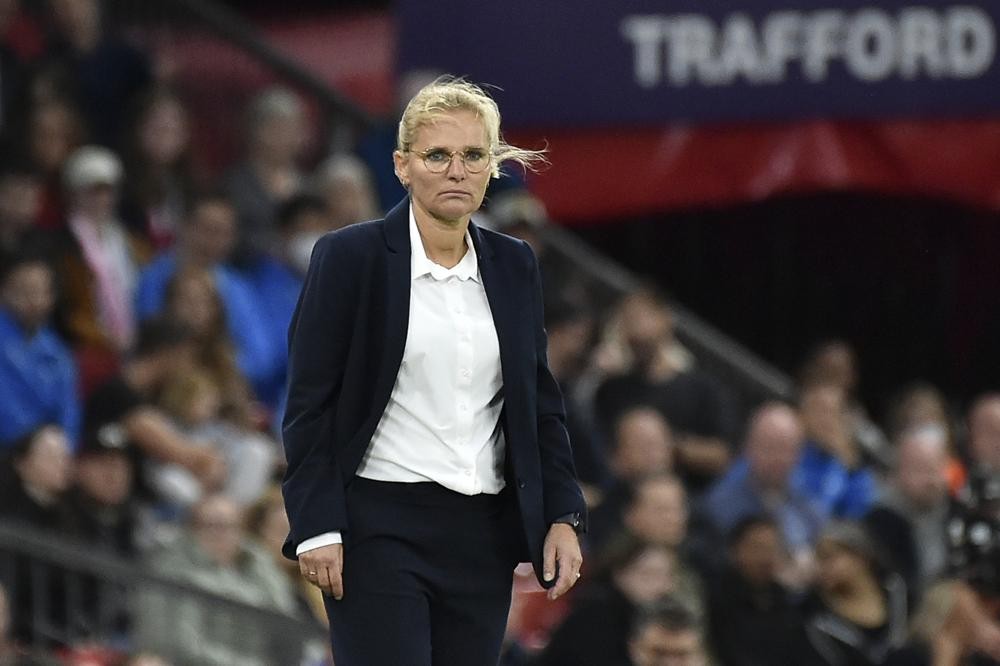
{"type": "Point", "coordinates": [312, 573]}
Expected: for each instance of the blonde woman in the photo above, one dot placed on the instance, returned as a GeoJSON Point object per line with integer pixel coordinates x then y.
{"type": "Point", "coordinates": [425, 437]}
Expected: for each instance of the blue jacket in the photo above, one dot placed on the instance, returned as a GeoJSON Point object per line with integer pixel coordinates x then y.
{"type": "Point", "coordinates": [38, 382]}
{"type": "Point", "coordinates": [345, 347]}
{"type": "Point", "coordinates": [276, 290]}
{"type": "Point", "coordinates": [838, 491]}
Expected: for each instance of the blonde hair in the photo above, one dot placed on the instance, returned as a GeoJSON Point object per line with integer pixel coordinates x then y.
{"type": "Point", "coordinates": [183, 388]}
{"type": "Point", "coordinates": [449, 93]}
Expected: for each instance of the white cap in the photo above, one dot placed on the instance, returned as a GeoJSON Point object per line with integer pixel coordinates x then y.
{"type": "Point", "coordinates": [91, 165]}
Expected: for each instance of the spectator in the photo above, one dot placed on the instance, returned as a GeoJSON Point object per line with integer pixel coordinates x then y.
{"type": "Point", "coordinates": [269, 175]}
{"type": "Point", "coordinates": [54, 131]}
{"type": "Point", "coordinates": [12, 653]}
{"type": "Point", "coordinates": [643, 445]}
{"type": "Point", "coordinates": [20, 206]}
{"type": "Point", "coordinates": [159, 177]}
{"type": "Point", "coordinates": [753, 619]}
{"type": "Point", "coordinates": [694, 405]}
{"type": "Point", "coordinates": [658, 513]}
{"type": "Point", "coordinates": [193, 299]}
{"type": "Point", "coordinates": [761, 483]}
{"type": "Point", "coordinates": [832, 470]}
{"type": "Point", "coordinates": [344, 184]}
{"type": "Point", "coordinates": [666, 635]}
{"type": "Point", "coordinates": [635, 575]}
{"type": "Point", "coordinates": [277, 281]}
{"type": "Point", "coordinates": [122, 407]}
{"type": "Point", "coordinates": [910, 521]}
{"type": "Point", "coordinates": [923, 404]}
{"type": "Point", "coordinates": [216, 554]}
{"type": "Point", "coordinates": [205, 242]}
{"type": "Point", "coordinates": [37, 474]}
{"type": "Point", "coordinates": [102, 506]}
{"type": "Point", "coordinates": [268, 523]}
{"type": "Point", "coordinates": [195, 402]}
{"type": "Point", "coordinates": [984, 434]}
{"type": "Point", "coordinates": [835, 363]}
{"type": "Point", "coordinates": [950, 628]}
{"type": "Point", "coordinates": [857, 614]}
{"type": "Point", "coordinates": [100, 264]}
{"type": "Point", "coordinates": [100, 71]}
{"type": "Point", "coordinates": [38, 381]}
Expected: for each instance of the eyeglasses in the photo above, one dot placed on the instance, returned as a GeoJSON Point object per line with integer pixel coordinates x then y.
{"type": "Point", "coordinates": [438, 160]}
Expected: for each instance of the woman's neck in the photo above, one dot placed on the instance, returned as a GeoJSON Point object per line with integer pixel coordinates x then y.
{"type": "Point", "coordinates": [444, 241]}
{"type": "Point", "coordinates": [860, 600]}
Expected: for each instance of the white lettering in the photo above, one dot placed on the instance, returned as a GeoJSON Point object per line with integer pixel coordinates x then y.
{"type": "Point", "coordinates": [782, 35]}
{"type": "Point", "coordinates": [871, 45]}
{"type": "Point", "coordinates": [972, 41]}
{"type": "Point", "coordinates": [740, 54]}
{"type": "Point", "coordinates": [921, 43]}
{"type": "Point", "coordinates": [690, 50]}
{"type": "Point", "coordinates": [646, 35]}
{"type": "Point", "coordinates": [824, 41]}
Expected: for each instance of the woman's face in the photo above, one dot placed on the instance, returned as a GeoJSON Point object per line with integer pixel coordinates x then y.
{"type": "Point", "coordinates": [53, 136]}
{"type": "Point", "coordinates": [837, 566]}
{"type": "Point", "coordinates": [453, 195]}
{"type": "Point", "coordinates": [194, 306]}
{"type": "Point", "coordinates": [648, 577]}
{"type": "Point", "coordinates": [163, 133]}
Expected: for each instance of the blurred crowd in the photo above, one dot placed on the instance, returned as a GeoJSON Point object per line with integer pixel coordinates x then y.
{"type": "Point", "coordinates": [144, 303]}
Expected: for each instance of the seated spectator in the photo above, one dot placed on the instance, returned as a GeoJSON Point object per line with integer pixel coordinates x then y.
{"type": "Point", "coordinates": [268, 523]}
{"type": "Point", "coordinates": [13, 653]}
{"type": "Point", "coordinates": [695, 406]}
{"type": "Point", "coordinates": [54, 131]}
{"type": "Point", "coordinates": [657, 513]}
{"type": "Point", "coordinates": [194, 301]}
{"type": "Point", "coordinates": [205, 243]}
{"type": "Point", "coordinates": [835, 363]}
{"type": "Point", "coordinates": [857, 613]}
{"type": "Point", "coordinates": [159, 176]}
{"type": "Point", "coordinates": [832, 470]}
{"type": "Point", "coordinates": [102, 71]}
{"type": "Point", "coordinates": [761, 483]}
{"type": "Point", "coordinates": [194, 402]}
{"type": "Point", "coordinates": [269, 174]}
{"type": "Point", "coordinates": [20, 207]}
{"type": "Point", "coordinates": [277, 279]}
{"type": "Point", "coordinates": [984, 435]}
{"type": "Point", "coordinates": [99, 265]}
{"type": "Point", "coordinates": [122, 408]}
{"type": "Point", "coordinates": [344, 184]}
{"type": "Point", "coordinates": [666, 634]}
{"type": "Point", "coordinates": [923, 404]}
{"type": "Point", "coordinates": [643, 446]}
{"type": "Point", "coordinates": [214, 553]}
{"type": "Point", "coordinates": [36, 475]}
{"type": "Point", "coordinates": [633, 575]}
{"type": "Point", "coordinates": [38, 379]}
{"type": "Point", "coordinates": [910, 520]}
{"type": "Point", "coordinates": [102, 504]}
{"type": "Point", "coordinates": [950, 628]}
{"type": "Point", "coordinates": [753, 619]}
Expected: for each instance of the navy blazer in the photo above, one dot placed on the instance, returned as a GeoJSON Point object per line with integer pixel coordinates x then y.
{"type": "Point", "coordinates": [346, 344]}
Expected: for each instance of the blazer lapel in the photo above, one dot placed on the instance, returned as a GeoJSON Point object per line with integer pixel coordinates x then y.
{"type": "Point", "coordinates": [397, 298]}
{"type": "Point", "coordinates": [494, 281]}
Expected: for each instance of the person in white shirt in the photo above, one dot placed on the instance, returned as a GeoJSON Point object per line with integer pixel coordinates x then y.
{"type": "Point", "coordinates": [425, 436]}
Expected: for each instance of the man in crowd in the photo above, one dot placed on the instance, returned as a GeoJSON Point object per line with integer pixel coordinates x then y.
{"type": "Point", "coordinates": [667, 635]}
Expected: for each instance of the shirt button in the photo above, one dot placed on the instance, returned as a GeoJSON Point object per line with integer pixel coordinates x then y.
{"type": "Point", "coordinates": [465, 372]}
{"type": "Point", "coordinates": [463, 407]}
{"type": "Point", "coordinates": [468, 472]}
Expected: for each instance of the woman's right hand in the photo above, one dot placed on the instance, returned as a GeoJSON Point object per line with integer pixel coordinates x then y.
{"type": "Point", "coordinates": [324, 568]}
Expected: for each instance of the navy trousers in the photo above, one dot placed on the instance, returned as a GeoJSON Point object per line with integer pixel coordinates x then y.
{"type": "Point", "coordinates": [427, 576]}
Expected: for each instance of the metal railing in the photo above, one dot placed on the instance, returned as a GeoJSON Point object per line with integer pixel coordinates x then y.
{"type": "Point", "coordinates": [65, 593]}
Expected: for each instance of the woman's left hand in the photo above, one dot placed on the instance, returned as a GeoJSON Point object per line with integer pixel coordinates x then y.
{"type": "Point", "coordinates": [561, 554]}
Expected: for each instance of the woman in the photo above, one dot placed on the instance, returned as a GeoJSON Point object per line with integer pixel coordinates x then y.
{"type": "Point", "coordinates": [425, 437]}
{"type": "Point", "coordinates": [857, 614]}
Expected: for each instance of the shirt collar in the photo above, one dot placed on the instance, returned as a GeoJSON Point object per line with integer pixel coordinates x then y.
{"type": "Point", "coordinates": [420, 264]}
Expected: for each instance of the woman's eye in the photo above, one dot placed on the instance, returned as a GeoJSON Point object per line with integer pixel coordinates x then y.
{"type": "Point", "coordinates": [437, 156]}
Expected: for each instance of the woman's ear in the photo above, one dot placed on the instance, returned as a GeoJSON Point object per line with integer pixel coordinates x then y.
{"type": "Point", "coordinates": [401, 164]}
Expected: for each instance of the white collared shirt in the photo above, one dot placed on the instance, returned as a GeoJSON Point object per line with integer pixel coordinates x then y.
{"type": "Point", "coordinates": [442, 421]}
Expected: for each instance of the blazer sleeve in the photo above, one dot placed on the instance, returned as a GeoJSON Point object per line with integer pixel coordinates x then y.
{"type": "Point", "coordinates": [318, 344]}
{"type": "Point", "coordinates": [560, 492]}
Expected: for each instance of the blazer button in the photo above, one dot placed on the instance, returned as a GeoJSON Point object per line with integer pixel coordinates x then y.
{"type": "Point", "coordinates": [521, 484]}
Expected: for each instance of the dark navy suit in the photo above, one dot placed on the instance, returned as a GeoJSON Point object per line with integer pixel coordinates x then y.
{"type": "Point", "coordinates": [346, 344]}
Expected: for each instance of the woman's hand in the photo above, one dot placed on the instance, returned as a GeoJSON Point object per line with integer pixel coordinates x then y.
{"type": "Point", "coordinates": [561, 553]}
{"type": "Point", "coordinates": [324, 568]}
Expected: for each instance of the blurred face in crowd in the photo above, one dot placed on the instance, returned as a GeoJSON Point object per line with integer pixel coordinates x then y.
{"type": "Point", "coordinates": [96, 202]}
{"type": "Point", "coordinates": [29, 295]}
{"type": "Point", "coordinates": [105, 476]}
{"type": "Point", "coordinates": [454, 194]}
{"type": "Point", "coordinates": [350, 200]}
{"type": "Point", "coordinates": [280, 137]}
{"type": "Point", "coordinates": [568, 344]}
{"type": "Point", "coordinates": [79, 20]}
{"type": "Point", "coordinates": [922, 468]}
{"type": "Point", "coordinates": [984, 433]}
{"type": "Point", "coordinates": [646, 326]}
{"type": "Point", "coordinates": [837, 566]}
{"type": "Point", "coordinates": [54, 134]}
{"type": "Point", "coordinates": [47, 466]}
{"type": "Point", "coordinates": [656, 645]}
{"type": "Point", "coordinates": [648, 577]}
{"type": "Point", "coordinates": [163, 132]}
{"type": "Point", "coordinates": [20, 202]}
{"type": "Point", "coordinates": [218, 528]}
{"type": "Point", "coordinates": [210, 233]}
{"type": "Point", "coordinates": [195, 303]}
{"type": "Point", "coordinates": [773, 446]}
{"type": "Point", "coordinates": [643, 444]}
{"type": "Point", "coordinates": [824, 413]}
{"type": "Point", "coordinates": [659, 512]}
{"type": "Point", "coordinates": [757, 555]}
{"type": "Point", "coordinates": [302, 234]}
{"type": "Point", "coordinates": [833, 364]}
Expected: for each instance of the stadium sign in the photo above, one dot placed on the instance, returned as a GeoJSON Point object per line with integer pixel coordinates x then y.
{"type": "Point", "coordinates": [639, 61]}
